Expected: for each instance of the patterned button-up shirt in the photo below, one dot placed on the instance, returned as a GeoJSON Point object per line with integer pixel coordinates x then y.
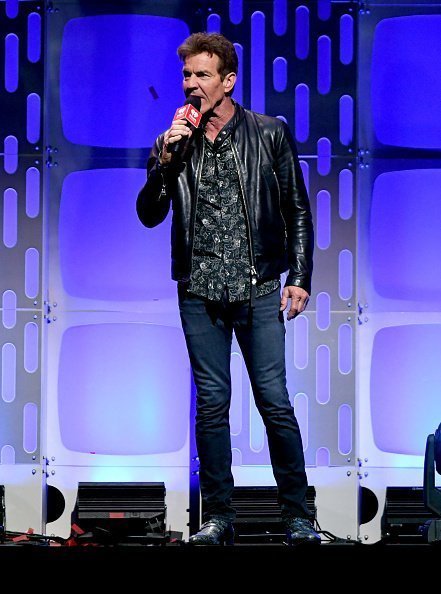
{"type": "Point", "coordinates": [221, 252]}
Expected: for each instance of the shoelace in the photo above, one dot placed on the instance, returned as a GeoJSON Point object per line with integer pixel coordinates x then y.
{"type": "Point", "coordinates": [215, 523]}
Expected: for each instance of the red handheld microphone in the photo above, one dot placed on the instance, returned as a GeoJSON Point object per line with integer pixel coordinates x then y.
{"type": "Point", "coordinates": [190, 112]}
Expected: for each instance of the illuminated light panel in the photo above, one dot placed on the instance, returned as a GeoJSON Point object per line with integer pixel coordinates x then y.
{"type": "Point", "coordinates": [345, 275]}
{"type": "Point", "coordinates": [214, 23]}
{"type": "Point", "coordinates": [11, 154]}
{"type": "Point", "coordinates": [346, 39]}
{"type": "Point", "coordinates": [346, 106]}
{"type": "Point", "coordinates": [345, 348]}
{"type": "Point", "coordinates": [323, 306]}
{"type": "Point", "coordinates": [280, 74]}
{"type": "Point", "coordinates": [105, 252]}
{"type": "Point", "coordinates": [32, 272]}
{"type": "Point", "coordinates": [398, 268]}
{"type": "Point", "coordinates": [112, 93]}
{"type": "Point", "coordinates": [30, 427]}
{"type": "Point", "coordinates": [10, 217]}
{"type": "Point", "coordinates": [324, 9]}
{"type": "Point", "coordinates": [405, 387]}
{"type": "Point", "coordinates": [406, 86]}
{"type": "Point", "coordinates": [7, 455]}
{"type": "Point", "coordinates": [323, 219]}
{"type": "Point", "coordinates": [32, 192]}
{"type": "Point", "coordinates": [11, 8]}
{"type": "Point", "coordinates": [9, 306]}
{"type": "Point", "coordinates": [31, 347]}
{"type": "Point", "coordinates": [11, 62]}
{"type": "Point", "coordinates": [235, 11]}
{"type": "Point", "coordinates": [301, 342]}
{"type": "Point", "coordinates": [345, 194]}
{"type": "Point", "coordinates": [322, 457]}
{"type": "Point", "coordinates": [323, 374]}
{"type": "Point", "coordinates": [258, 62]}
{"type": "Point", "coordinates": [324, 151]}
{"type": "Point", "coordinates": [33, 117]}
{"type": "Point", "coordinates": [280, 14]}
{"type": "Point", "coordinates": [34, 37]}
{"type": "Point", "coordinates": [323, 64]}
{"type": "Point", "coordinates": [302, 32]}
{"type": "Point", "coordinates": [344, 429]}
{"type": "Point", "coordinates": [302, 112]}
{"type": "Point", "coordinates": [116, 392]}
{"type": "Point", "coordinates": [238, 87]}
{"type": "Point", "coordinates": [9, 372]}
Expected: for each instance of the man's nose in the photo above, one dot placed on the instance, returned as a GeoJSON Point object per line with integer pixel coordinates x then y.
{"type": "Point", "coordinates": [192, 81]}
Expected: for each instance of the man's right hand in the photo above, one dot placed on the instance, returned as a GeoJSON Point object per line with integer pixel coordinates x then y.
{"type": "Point", "coordinates": [174, 134]}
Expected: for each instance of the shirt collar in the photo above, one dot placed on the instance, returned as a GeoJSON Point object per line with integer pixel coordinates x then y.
{"type": "Point", "coordinates": [227, 129]}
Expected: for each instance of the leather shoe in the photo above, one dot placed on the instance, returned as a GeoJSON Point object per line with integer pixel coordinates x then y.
{"type": "Point", "coordinates": [215, 531]}
{"type": "Point", "coordinates": [300, 531]}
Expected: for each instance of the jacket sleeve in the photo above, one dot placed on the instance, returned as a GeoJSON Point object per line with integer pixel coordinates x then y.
{"type": "Point", "coordinates": [153, 202]}
{"type": "Point", "coordinates": [296, 211]}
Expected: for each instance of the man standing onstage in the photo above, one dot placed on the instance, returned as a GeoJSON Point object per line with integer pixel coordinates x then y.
{"type": "Point", "coordinates": [241, 217]}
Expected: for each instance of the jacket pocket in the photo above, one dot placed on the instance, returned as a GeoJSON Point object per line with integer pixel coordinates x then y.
{"type": "Point", "coordinates": [274, 204]}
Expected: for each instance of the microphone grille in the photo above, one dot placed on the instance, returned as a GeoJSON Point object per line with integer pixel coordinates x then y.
{"type": "Point", "coordinates": [195, 101]}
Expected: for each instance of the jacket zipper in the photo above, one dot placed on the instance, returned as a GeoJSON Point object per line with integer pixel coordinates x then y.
{"type": "Point", "coordinates": [280, 209]}
{"type": "Point", "coordinates": [254, 275]}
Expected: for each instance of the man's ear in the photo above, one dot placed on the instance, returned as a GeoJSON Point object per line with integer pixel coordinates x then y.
{"type": "Point", "coordinates": [229, 82]}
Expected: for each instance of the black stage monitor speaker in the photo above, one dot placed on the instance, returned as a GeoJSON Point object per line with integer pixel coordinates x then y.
{"type": "Point", "coordinates": [122, 512]}
{"type": "Point", "coordinates": [2, 513]}
{"type": "Point", "coordinates": [258, 514]}
{"type": "Point", "coordinates": [432, 494]}
{"type": "Point", "coordinates": [404, 515]}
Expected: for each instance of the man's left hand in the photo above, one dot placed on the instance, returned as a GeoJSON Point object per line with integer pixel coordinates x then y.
{"type": "Point", "coordinates": [299, 300]}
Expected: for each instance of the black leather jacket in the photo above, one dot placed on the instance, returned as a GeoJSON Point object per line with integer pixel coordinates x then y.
{"type": "Point", "coordinates": [276, 202]}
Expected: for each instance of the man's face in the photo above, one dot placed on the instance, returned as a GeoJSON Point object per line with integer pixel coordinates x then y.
{"type": "Point", "coordinates": [201, 78]}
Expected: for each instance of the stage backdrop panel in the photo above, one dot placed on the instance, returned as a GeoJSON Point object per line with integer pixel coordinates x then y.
{"type": "Point", "coordinates": [22, 30]}
{"type": "Point", "coordinates": [399, 235]}
{"type": "Point", "coordinates": [88, 307]}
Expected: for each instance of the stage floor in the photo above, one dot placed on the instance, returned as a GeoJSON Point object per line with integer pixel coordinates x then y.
{"type": "Point", "coordinates": [400, 557]}
{"type": "Point", "coordinates": [242, 568]}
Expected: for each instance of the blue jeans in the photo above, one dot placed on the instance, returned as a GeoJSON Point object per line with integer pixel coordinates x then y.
{"type": "Point", "coordinates": [208, 329]}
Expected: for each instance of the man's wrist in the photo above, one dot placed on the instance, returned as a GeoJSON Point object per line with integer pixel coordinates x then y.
{"type": "Point", "coordinates": [162, 166]}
